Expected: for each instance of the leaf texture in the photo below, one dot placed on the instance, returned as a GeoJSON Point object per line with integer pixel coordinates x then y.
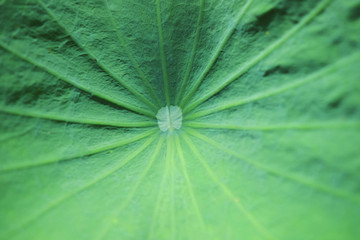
{"type": "Point", "coordinates": [268, 146]}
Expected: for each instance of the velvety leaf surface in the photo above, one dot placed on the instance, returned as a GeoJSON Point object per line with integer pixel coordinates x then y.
{"type": "Point", "coordinates": [268, 147]}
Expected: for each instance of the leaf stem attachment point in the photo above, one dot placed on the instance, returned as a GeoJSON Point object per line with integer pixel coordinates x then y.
{"type": "Point", "coordinates": [169, 118]}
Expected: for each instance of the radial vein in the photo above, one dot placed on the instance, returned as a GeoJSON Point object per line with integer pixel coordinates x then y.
{"type": "Point", "coordinates": [160, 196]}
{"type": "Point", "coordinates": [131, 57]}
{"type": "Point", "coordinates": [227, 191]}
{"type": "Point", "coordinates": [130, 196]}
{"type": "Point", "coordinates": [192, 54]}
{"type": "Point", "coordinates": [55, 203]}
{"type": "Point", "coordinates": [171, 151]}
{"type": "Point", "coordinates": [189, 185]}
{"type": "Point", "coordinates": [295, 126]}
{"type": "Point", "coordinates": [77, 84]}
{"type": "Point", "coordinates": [279, 90]}
{"type": "Point", "coordinates": [91, 151]}
{"type": "Point", "coordinates": [64, 118]}
{"type": "Point", "coordinates": [216, 54]}
{"type": "Point", "coordinates": [294, 178]}
{"type": "Point", "coordinates": [103, 66]}
{"type": "Point", "coordinates": [162, 54]}
{"type": "Point", "coordinates": [320, 7]}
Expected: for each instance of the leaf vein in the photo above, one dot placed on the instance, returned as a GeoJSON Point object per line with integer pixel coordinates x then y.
{"type": "Point", "coordinates": [47, 116]}
{"type": "Point", "coordinates": [193, 52]}
{"type": "Point", "coordinates": [94, 150]}
{"type": "Point", "coordinates": [227, 191]}
{"type": "Point", "coordinates": [77, 84]}
{"type": "Point", "coordinates": [136, 186]}
{"type": "Point", "coordinates": [294, 178]}
{"type": "Point", "coordinates": [266, 52]}
{"type": "Point", "coordinates": [282, 89]}
{"type": "Point", "coordinates": [162, 54]}
{"type": "Point", "coordinates": [215, 56]}
{"type": "Point", "coordinates": [99, 63]}
{"type": "Point", "coordinates": [131, 57]}
{"type": "Point", "coordinates": [52, 205]}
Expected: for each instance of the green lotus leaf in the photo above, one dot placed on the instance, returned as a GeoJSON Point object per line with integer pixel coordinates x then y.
{"type": "Point", "coordinates": [179, 119]}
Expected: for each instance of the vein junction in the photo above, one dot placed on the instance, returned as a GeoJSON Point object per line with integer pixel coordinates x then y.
{"type": "Point", "coordinates": [169, 118]}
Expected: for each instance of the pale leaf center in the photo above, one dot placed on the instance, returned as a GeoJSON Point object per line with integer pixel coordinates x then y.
{"type": "Point", "coordinates": [169, 118]}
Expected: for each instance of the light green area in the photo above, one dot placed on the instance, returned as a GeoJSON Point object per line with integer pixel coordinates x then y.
{"type": "Point", "coordinates": [169, 118]}
{"type": "Point", "coordinates": [266, 140]}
